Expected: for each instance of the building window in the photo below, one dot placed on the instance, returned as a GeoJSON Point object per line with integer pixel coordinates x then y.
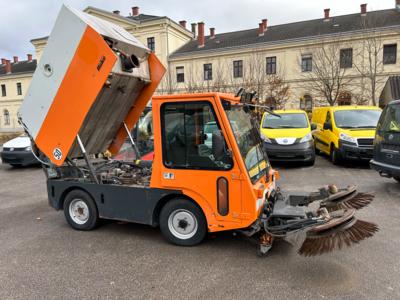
{"type": "Point", "coordinates": [3, 90]}
{"type": "Point", "coordinates": [6, 115]}
{"type": "Point", "coordinates": [151, 44]}
{"type": "Point", "coordinates": [237, 68]}
{"type": "Point", "coordinates": [306, 63]}
{"type": "Point", "coordinates": [306, 103]}
{"type": "Point", "coordinates": [271, 65]}
{"type": "Point", "coordinates": [271, 103]}
{"type": "Point", "coordinates": [195, 141]}
{"type": "Point", "coordinates": [180, 74]}
{"type": "Point", "coordinates": [389, 54]}
{"type": "Point", "coordinates": [344, 98]}
{"type": "Point", "coordinates": [207, 71]}
{"type": "Point", "coordinates": [19, 88]}
{"type": "Point", "coordinates": [346, 58]}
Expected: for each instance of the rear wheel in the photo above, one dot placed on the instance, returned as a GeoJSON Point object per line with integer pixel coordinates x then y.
{"type": "Point", "coordinates": [80, 210]}
{"type": "Point", "coordinates": [335, 155]}
{"type": "Point", "coordinates": [183, 223]}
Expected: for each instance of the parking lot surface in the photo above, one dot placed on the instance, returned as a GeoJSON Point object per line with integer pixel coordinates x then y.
{"type": "Point", "coordinates": [42, 257]}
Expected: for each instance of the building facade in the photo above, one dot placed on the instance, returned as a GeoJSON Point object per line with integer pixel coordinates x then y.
{"type": "Point", "coordinates": [15, 77]}
{"type": "Point", "coordinates": [333, 60]}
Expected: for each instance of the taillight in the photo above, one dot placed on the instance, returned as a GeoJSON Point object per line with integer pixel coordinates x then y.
{"type": "Point", "coordinates": [222, 196]}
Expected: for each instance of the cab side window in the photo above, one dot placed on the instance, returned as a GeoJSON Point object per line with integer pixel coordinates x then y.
{"type": "Point", "coordinates": [192, 137]}
{"type": "Point", "coordinates": [328, 118]}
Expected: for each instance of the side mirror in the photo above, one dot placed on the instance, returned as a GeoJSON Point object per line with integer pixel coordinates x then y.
{"type": "Point", "coordinates": [313, 126]}
{"type": "Point", "coordinates": [327, 126]}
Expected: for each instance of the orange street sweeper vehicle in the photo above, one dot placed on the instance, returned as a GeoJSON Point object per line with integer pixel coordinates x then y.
{"type": "Point", "coordinates": [209, 171]}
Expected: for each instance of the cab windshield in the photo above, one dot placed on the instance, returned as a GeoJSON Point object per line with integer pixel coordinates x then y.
{"type": "Point", "coordinates": [286, 120]}
{"type": "Point", "coordinates": [248, 140]}
{"type": "Point", "coordinates": [391, 119]}
{"type": "Point", "coordinates": [360, 118]}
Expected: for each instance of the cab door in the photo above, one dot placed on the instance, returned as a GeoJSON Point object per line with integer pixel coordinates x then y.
{"type": "Point", "coordinates": [325, 133]}
{"type": "Point", "coordinates": [197, 160]}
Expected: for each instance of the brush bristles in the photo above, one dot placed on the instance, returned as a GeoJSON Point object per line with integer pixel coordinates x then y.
{"type": "Point", "coordinates": [357, 201]}
{"type": "Point", "coordinates": [336, 238]}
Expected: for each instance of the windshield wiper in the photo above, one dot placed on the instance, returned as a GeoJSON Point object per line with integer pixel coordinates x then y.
{"type": "Point", "coordinates": [287, 126]}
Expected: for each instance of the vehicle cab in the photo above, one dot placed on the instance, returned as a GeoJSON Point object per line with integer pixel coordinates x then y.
{"type": "Point", "coordinates": [345, 132]}
{"type": "Point", "coordinates": [207, 145]}
{"type": "Point", "coordinates": [387, 142]}
{"type": "Point", "coordinates": [287, 137]}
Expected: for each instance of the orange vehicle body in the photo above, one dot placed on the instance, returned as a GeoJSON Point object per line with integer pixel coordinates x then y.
{"type": "Point", "coordinates": [201, 185]}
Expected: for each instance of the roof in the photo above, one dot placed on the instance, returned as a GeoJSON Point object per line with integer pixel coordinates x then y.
{"type": "Point", "coordinates": [294, 31]}
{"type": "Point", "coordinates": [289, 111]}
{"type": "Point", "coordinates": [20, 67]}
{"type": "Point", "coordinates": [144, 17]}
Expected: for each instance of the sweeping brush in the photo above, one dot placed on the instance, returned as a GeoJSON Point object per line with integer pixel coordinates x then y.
{"type": "Point", "coordinates": [353, 200]}
{"type": "Point", "coordinates": [350, 232]}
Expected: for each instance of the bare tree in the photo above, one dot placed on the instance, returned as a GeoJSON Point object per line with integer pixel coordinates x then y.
{"type": "Point", "coordinates": [278, 89]}
{"type": "Point", "coordinates": [327, 79]}
{"type": "Point", "coordinates": [369, 61]}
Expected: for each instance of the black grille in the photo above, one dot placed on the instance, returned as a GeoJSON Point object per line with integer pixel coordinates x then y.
{"type": "Point", "coordinates": [13, 149]}
{"type": "Point", "coordinates": [365, 142]}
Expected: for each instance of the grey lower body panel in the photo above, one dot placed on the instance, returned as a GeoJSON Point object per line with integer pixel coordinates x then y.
{"type": "Point", "coordinates": [20, 158]}
{"type": "Point", "coordinates": [299, 152]}
{"type": "Point", "coordinates": [385, 169]}
{"type": "Point", "coordinates": [354, 152]}
{"type": "Point", "coordinates": [117, 202]}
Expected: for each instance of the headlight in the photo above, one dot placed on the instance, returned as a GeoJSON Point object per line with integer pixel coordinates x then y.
{"type": "Point", "coordinates": [347, 138]}
{"type": "Point", "coordinates": [306, 138]}
{"type": "Point", "coordinates": [265, 139]}
{"type": "Point", "coordinates": [29, 148]}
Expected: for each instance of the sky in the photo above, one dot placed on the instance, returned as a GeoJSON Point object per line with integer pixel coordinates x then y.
{"type": "Point", "coordinates": [23, 20]}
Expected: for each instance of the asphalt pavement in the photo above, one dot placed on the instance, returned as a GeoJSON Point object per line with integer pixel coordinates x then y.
{"type": "Point", "coordinates": [41, 257]}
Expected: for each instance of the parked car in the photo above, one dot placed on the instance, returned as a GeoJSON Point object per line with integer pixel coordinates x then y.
{"type": "Point", "coordinates": [288, 137]}
{"type": "Point", "coordinates": [18, 152]}
{"type": "Point", "coordinates": [345, 132]}
{"type": "Point", "coordinates": [387, 142]}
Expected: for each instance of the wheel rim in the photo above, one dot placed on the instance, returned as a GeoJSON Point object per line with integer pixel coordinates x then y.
{"type": "Point", "coordinates": [79, 211]}
{"type": "Point", "coordinates": [182, 224]}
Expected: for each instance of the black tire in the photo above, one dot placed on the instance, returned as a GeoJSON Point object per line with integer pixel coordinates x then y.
{"type": "Point", "coordinates": [78, 221]}
{"type": "Point", "coordinates": [335, 156]}
{"type": "Point", "coordinates": [310, 162]}
{"type": "Point", "coordinates": [397, 179]}
{"type": "Point", "coordinates": [189, 212]}
{"type": "Point", "coordinates": [317, 151]}
{"type": "Point", "coordinates": [17, 166]}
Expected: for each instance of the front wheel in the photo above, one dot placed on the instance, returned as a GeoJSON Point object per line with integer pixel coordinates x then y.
{"type": "Point", "coordinates": [80, 210]}
{"type": "Point", "coordinates": [335, 155]}
{"type": "Point", "coordinates": [183, 223]}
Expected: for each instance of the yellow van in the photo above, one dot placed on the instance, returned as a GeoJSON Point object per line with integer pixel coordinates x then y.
{"type": "Point", "coordinates": [345, 132]}
{"type": "Point", "coordinates": [288, 137]}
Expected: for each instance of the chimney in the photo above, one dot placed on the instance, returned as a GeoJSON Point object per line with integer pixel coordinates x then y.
{"type": "Point", "coordinates": [260, 29]}
{"type": "Point", "coordinates": [397, 6]}
{"type": "Point", "coordinates": [29, 57]}
{"type": "Point", "coordinates": [326, 14]}
{"type": "Point", "coordinates": [15, 59]}
{"type": "Point", "coordinates": [200, 36]}
{"type": "Point", "coordinates": [3, 61]}
{"type": "Point", "coordinates": [116, 12]}
{"type": "Point", "coordinates": [194, 25]}
{"type": "Point", "coordinates": [264, 21]}
{"type": "Point", "coordinates": [363, 9]}
{"type": "Point", "coordinates": [183, 23]}
{"type": "Point", "coordinates": [135, 11]}
{"type": "Point", "coordinates": [212, 32]}
{"type": "Point", "coordinates": [8, 67]}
